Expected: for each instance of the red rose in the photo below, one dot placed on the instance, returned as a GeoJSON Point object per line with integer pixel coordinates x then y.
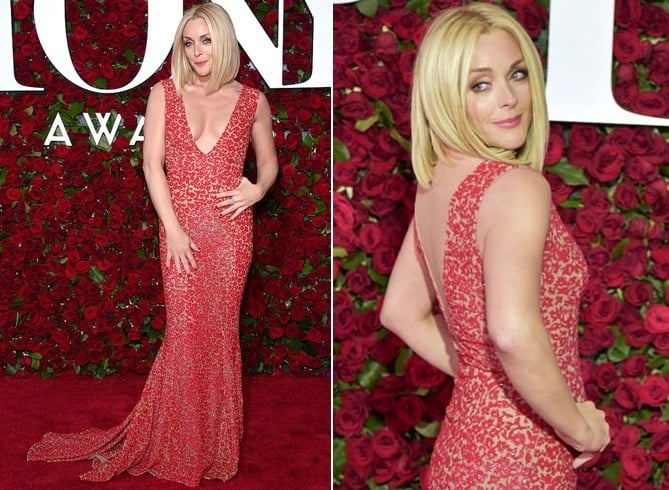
{"type": "Point", "coordinates": [602, 311]}
{"type": "Point", "coordinates": [650, 104]}
{"type": "Point", "coordinates": [372, 185]}
{"type": "Point", "coordinates": [385, 47]}
{"type": "Point", "coordinates": [627, 394]}
{"type": "Point", "coordinates": [657, 318]}
{"type": "Point", "coordinates": [385, 350]}
{"type": "Point", "coordinates": [384, 469]}
{"type": "Point", "coordinates": [659, 446]}
{"type": "Point", "coordinates": [627, 48]}
{"type": "Point", "coordinates": [408, 411]}
{"type": "Point", "coordinates": [344, 220]}
{"type": "Point", "coordinates": [370, 237]}
{"type": "Point", "coordinates": [625, 92]}
{"type": "Point", "coordinates": [532, 17]}
{"type": "Point", "coordinates": [352, 414]}
{"type": "Point", "coordinates": [359, 451]}
{"type": "Point", "coordinates": [658, 67]}
{"type": "Point", "coordinates": [636, 335]}
{"type": "Point", "coordinates": [638, 293]}
{"type": "Point", "coordinates": [556, 145]}
{"type": "Point", "coordinates": [634, 366]}
{"type": "Point", "coordinates": [654, 20]}
{"type": "Point", "coordinates": [403, 22]}
{"type": "Point", "coordinates": [396, 187]}
{"type": "Point", "coordinates": [635, 464]}
{"type": "Point", "coordinates": [627, 436]}
{"type": "Point", "coordinates": [361, 284]}
{"type": "Point", "coordinates": [383, 259]}
{"type": "Point", "coordinates": [377, 82]}
{"type": "Point", "coordinates": [585, 137]}
{"type": "Point", "coordinates": [356, 106]}
{"type": "Point", "coordinates": [654, 390]}
{"type": "Point", "coordinates": [626, 72]}
{"type": "Point", "coordinates": [607, 164]}
{"type": "Point", "coordinates": [386, 444]}
{"type": "Point", "coordinates": [421, 374]}
{"type": "Point", "coordinates": [626, 196]}
{"type": "Point", "coordinates": [606, 376]}
{"type": "Point", "coordinates": [384, 392]}
{"type": "Point", "coordinates": [628, 13]}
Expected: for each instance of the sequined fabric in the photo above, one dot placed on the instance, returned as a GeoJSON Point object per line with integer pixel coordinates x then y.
{"type": "Point", "coordinates": [187, 424]}
{"type": "Point", "coordinates": [490, 438]}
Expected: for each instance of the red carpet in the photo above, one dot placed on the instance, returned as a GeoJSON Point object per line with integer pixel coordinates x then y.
{"type": "Point", "coordinates": [286, 440]}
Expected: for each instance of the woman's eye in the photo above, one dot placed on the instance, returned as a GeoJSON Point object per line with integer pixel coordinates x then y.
{"type": "Point", "coordinates": [206, 41]}
{"type": "Point", "coordinates": [519, 74]}
{"type": "Point", "coordinates": [479, 86]}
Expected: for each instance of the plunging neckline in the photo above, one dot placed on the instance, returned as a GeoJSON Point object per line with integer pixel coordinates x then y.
{"type": "Point", "coordinates": [225, 129]}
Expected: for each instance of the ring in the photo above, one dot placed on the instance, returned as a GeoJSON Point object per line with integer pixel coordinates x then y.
{"type": "Point", "coordinates": [232, 201]}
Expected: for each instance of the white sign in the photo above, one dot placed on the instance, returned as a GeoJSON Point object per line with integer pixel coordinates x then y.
{"type": "Point", "coordinates": [163, 18]}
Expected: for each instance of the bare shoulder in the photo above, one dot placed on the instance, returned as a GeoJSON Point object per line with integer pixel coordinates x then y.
{"type": "Point", "coordinates": [517, 202]}
{"type": "Point", "coordinates": [157, 93]}
{"type": "Point", "coordinates": [521, 185]}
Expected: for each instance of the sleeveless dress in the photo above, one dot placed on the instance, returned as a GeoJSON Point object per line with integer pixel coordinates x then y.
{"type": "Point", "coordinates": [490, 437]}
{"type": "Point", "coordinates": [187, 424]}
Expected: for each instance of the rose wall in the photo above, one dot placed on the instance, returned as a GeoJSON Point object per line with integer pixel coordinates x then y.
{"type": "Point", "coordinates": [80, 284]}
{"type": "Point", "coordinates": [610, 185]}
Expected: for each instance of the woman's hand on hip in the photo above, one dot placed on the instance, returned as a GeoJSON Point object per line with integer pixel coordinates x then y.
{"type": "Point", "coordinates": [239, 199]}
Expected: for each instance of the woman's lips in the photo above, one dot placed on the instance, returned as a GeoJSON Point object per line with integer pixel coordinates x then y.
{"type": "Point", "coordinates": [509, 123]}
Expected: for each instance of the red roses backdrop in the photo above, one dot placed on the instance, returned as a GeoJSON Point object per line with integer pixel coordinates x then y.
{"type": "Point", "coordinates": [610, 184]}
{"type": "Point", "coordinates": [79, 268]}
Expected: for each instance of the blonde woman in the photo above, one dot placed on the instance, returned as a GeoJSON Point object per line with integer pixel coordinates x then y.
{"type": "Point", "coordinates": [488, 248]}
{"type": "Point", "coordinates": [188, 423]}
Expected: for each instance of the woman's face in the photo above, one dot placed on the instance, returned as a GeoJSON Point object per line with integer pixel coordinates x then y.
{"type": "Point", "coordinates": [498, 101]}
{"type": "Point", "coordinates": [198, 47]}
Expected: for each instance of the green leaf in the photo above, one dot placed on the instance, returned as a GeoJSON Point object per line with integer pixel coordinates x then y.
{"type": "Point", "coordinates": [620, 350]}
{"type": "Point", "coordinates": [419, 6]}
{"type": "Point", "coordinates": [96, 275]}
{"type": "Point", "coordinates": [3, 174]}
{"type": "Point", "coordinates": [367, 7]}
{"type": "Point", "coordinates": [340, 151]}
{"type": "Point", "coordinates": [339, 458]}
{"type": "Point", "coordinates": [570, 174]}
{"type": "Point", "coordinates": [380, 279]}
{"type": "Point", "coordinates": [612, 471]}
{"type": "Point", "coordinates": [571, 204]}
{"type": "Point", "coordinates": [363, 125]}
{"type": "Point", "coordinates": [353, 261]}
{"type": "Point", "coordinates": [371, 373]}
{"type": "Point", "coordinates": [428, 429]}
{"type": "Point", "coordinates": [401, 359]}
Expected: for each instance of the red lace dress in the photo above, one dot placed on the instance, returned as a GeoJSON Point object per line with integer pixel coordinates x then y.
{"type": "Point", "coordinates": [490, 438]}
{"type": "Point", "coordinates": [187, 424]}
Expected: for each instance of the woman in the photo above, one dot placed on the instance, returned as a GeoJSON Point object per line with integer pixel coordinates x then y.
{"type": "Point", "coordinates": [497, 260]}
{"type": "Point", "coordinates": [188, 422]}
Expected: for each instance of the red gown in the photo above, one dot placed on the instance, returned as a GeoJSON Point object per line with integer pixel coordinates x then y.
{"type": "Point", "coordinates": [187, 424]}
{"type": "Point", "coordinates": [490, 438]}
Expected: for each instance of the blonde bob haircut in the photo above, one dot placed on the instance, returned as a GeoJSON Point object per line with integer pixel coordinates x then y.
{"type": "Point", "coordinates": [438, 116]}
{"type": "Point", "coordinates": [225, 48]}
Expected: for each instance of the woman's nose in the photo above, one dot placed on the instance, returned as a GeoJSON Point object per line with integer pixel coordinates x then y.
{"type": "Point", "coordinates": [507, 95]}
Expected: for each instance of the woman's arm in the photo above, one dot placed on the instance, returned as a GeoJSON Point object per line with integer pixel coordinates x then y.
{"type": "Point", "coordinates": [179, 245]}
{"type": "Point", "coordinates": [408, 310]}
{"type": "Point", "coordinates": [512, 228]}
{"type": "Point", "coordinates": [247, 194]}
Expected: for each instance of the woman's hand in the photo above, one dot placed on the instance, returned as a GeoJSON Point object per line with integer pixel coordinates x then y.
{"type": "Point", "coordinates": [239, 199]}
{"type": "Point", "coordinates": [598, 436]}
{"type": "Point", "coordinates": [180, 248]}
